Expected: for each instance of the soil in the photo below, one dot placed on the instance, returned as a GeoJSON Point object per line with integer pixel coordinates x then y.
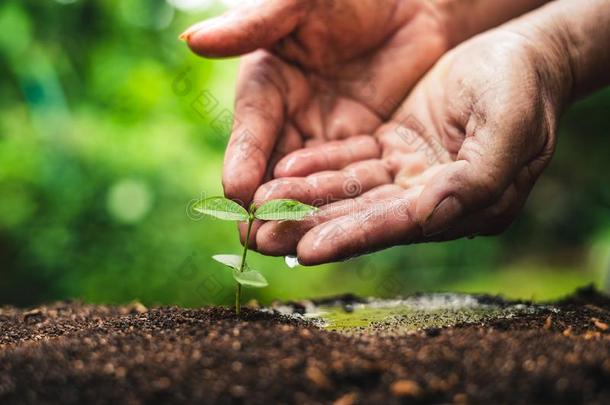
{"type": "Point", "coordinates": [70, 352]}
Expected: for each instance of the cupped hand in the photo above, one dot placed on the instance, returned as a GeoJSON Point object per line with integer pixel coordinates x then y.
{"type": "Point", "coordinates": [459, 158]}
{"type": "Point", "coordinates": [316, 72]}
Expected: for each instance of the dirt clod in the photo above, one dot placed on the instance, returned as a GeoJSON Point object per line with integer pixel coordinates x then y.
{"type": "Point", "coordinates": [548, 323]}
{"type": "Point", "coordinates": [347, 399]}
{"type": "Point", "coordinates": [317, 376]}
{"type": "Point", "coordinates": [599, 324]}
{"type": "Point", "coordinates": [405, 388]}
{"type": "Point", "coordinates": [32, 317]}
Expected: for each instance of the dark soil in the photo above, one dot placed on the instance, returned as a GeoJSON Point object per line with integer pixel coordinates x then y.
{"type": "Point", "coordinates": [75, 353]}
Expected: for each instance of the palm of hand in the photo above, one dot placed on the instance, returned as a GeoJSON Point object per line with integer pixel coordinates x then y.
{"type": "Point", "coordinates": [343, 57]}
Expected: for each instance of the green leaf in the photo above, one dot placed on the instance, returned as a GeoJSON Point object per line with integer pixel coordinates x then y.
{"type": "Point", "coordinates": [233, 261]}
{"type": "Point", "coordinates": [284, 210]}
{"type": "Point", "coordinates": [222, 208]}
{"type": "Point", "coordinates": [250, 278]}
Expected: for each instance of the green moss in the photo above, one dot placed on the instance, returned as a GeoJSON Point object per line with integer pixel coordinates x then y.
{"type": "Point", "coordinates": [413, 315]}
{"type": "Point", "coordinates": [338, 319]}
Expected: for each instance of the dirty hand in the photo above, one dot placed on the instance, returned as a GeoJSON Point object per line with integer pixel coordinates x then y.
{"type": "Point", "coordinates": [329, 70]}
{"type": "Point", "coordinates": [458, 158]}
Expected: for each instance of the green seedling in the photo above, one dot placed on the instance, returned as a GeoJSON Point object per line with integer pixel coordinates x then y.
{"type": "Point", "coordinates": [274, 210]}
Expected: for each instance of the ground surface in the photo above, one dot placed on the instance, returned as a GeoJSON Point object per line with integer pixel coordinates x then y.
{"type": "Point", "coordinates": [69, 353]}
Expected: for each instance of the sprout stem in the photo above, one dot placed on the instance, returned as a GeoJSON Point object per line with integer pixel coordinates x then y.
{"type": "Point", "coordinates": [237, 298]}
{"type": "Point", "coordinates": [243, 265]}
{"type": "Point", "coordinates": [243, 257]}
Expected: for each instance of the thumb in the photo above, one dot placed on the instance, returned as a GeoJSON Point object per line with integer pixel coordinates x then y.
{"type": "Point", "coordinates": [476, 180]}
{"type": "Point", "coordinates": [257, 24]}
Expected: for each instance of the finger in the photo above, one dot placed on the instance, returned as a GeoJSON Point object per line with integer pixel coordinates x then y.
{"type": "Point", "coordinates": [246, 28]}
{"type": "Point", "coordinates": [325, 187]}
{"type": "Point", "coordinates": [333, 155]}
{"type": "Point", "coordinates": [242, 227]}
{"type": "Point", "coordinates": [310, 143]}
{"type": "Point", "coordinates": [498, 216]}
{"type": "Point", "coordinates": [410, 177]}
{"type": "Point", "coordinates": [488, 221]}
{"type": "Point", "coordinates": [405, 167]}
{"type": "Point", "coordinates": [290, 140]}
{"type": "Point", "coordinates": [387, 223]}
{"type": "Point", "coordinates": [262, 100]}
{"type": "Point", "coordinates": [279, 238]}
{"type": "Point", "coordinates": [410, 164]}
{"type": "Point", "coordinates": [487, 163]}
{"type": "Point", "coordinates": [402, 137]}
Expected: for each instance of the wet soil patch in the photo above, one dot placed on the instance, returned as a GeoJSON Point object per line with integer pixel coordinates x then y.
{"type": "Point", "coordinates": [74, 353]}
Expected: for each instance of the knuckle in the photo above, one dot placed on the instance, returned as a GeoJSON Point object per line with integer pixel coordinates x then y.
{"type": "Point", "coordinates": [261, 69]}
{"type": "Point", "coordinates": [489, 182]}
{"type": "Point", "coordinates": [487, 185]}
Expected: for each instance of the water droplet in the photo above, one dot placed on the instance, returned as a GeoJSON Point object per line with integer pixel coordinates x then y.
{"type": "Point", "coordinates": [291, 261]}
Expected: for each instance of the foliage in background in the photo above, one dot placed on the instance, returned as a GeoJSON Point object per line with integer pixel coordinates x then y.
{"type": "Point", "coordinates": [109, 127]}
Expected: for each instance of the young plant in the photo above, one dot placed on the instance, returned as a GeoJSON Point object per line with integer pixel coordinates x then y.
{"type": "Point", "coordinates": [225, 209]}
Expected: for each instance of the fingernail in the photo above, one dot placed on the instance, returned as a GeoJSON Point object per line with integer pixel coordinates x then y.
{"type": "Point", "coordinates": [190, 31]}
{"type": "Point", "coordinates": [186, 34]}
{"type": "Point", "coordinates": [442, 216]}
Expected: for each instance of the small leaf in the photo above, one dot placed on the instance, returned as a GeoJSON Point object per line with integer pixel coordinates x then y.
{"type": "Point", "coordinates": [222, 208]}
{"type": "Point", "coordinates": [284, 210]}
{"type": "Point", "coordinates": [233, 261]}
{"type": "Point", "coordinates": [250, 278]}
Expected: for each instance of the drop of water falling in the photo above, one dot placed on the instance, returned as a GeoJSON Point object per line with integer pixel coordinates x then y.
{"type": "Point", "coordinates": [291, 261]}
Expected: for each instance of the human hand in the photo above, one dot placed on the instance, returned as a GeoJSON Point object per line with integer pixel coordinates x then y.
{"type": "Point", "coordinates": [458, 159]}
{"type": "Point", "coordinates": [332, 70]}
{"type": "Point", "coordinates": [329, 72]}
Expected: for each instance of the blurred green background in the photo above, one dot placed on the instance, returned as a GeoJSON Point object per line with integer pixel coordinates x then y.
{"type": "Point", "coordinates": [109, 126]}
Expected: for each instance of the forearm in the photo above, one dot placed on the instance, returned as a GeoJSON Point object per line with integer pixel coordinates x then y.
{"type": "Point", "coordinates": [580, 31]}
{"type": "Point", "coordinates": [466, 18]}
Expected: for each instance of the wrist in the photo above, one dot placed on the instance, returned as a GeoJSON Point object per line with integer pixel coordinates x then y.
{"type": "Point", "coordinates": [454, 16]}
{"type": "Point", "coordinates": [463, 19]}
{"type": "Point", "coordinates": [549, 51]}
{"type": "Point", "coordinates": [572, 37]}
